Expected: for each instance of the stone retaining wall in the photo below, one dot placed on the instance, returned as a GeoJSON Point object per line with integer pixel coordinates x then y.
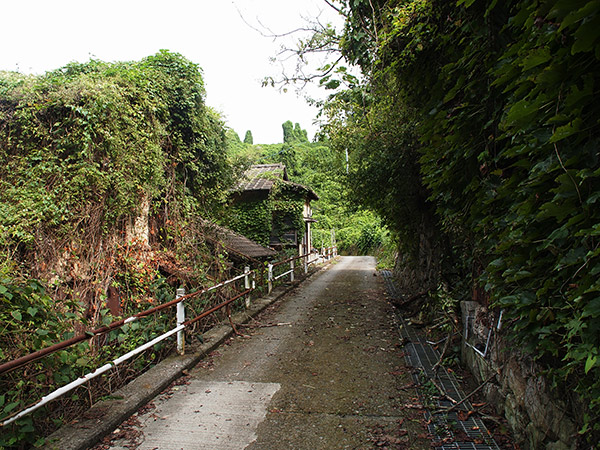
{"type": "Point", "coordinates": [538, 417]}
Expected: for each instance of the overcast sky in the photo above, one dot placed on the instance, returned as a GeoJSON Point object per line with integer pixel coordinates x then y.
{"type": "Point", "coordinates": [43, 35]}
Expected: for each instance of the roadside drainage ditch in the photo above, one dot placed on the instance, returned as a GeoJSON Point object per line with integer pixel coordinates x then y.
{"type": "Point", "coordinates": [457, 426]}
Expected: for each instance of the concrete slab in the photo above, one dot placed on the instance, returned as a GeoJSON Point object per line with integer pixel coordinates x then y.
{"type": "Point", "coordinates": [206, 415]}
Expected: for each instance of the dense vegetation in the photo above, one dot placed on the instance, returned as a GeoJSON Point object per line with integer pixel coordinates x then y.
{"type": "Point", "coordinates": [86, 150]}
{"type": "Point", "coordinates": [475, 133]}
{"type": "Point", "coordinates": [477, 127]}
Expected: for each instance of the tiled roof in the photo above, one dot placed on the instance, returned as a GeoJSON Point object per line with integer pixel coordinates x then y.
{"type": "Point", "coordinates": [246, 246]}
{"type": "Point", "coordinates": [260, 177]}
{"type": "Point", "coordinates": [237, 242]}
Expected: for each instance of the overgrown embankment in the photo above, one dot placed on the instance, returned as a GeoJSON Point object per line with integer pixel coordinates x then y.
{"type": "Point", "coordinates": [106, 171]}
{"type": "Point", "coordinates": [476, 136]}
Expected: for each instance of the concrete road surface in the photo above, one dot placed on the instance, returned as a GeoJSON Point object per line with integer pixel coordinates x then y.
{"type": "Point", "coordinates": [321, 369]}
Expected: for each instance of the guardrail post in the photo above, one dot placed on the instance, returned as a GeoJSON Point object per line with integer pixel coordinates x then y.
{"type": "Point", "coordinates": [292, 270]}
{"type": "Point", "coordinates": [306, 263]}
{"type": "Point", "coordinates": [246, 278]}
{"type": "Point", "coordinates": [180, 319]}
{"type": "Point", "coordinates": [247, 284]}
{"type": "Point", "coordinates": [270, 277]}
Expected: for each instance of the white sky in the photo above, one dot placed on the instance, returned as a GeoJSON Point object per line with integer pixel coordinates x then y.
{"type": "Point", "coordinates": [43, 35]}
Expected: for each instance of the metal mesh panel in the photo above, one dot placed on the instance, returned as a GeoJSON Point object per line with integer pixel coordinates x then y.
{"type": "Point", "coordinates": [423, 357]}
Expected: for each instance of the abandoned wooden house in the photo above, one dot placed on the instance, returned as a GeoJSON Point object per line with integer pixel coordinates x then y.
{"type": "Point", "coordinates": [272, 210]}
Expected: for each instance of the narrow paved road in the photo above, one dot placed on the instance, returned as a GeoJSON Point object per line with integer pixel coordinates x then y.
{"type": "Point", "coordinates": [322, 369]}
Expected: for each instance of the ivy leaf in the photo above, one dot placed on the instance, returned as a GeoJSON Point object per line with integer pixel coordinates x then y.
{"type": "Point", "coordinates": [521, 111]}
{"type": "Point", "coordinates": [82, 361]}
{"type": "Point", "coordinates": [4, 291]}
{"type": "Point", "coordinates": [573, 11]}
{"type": "Point", "coordinates": [8, 408]}
{"type": "Point", "coordinates": [591, 361]}
{"type": "Point", "coordinates": [536, 57]}
{"type": "Point", "coordinates": [333, 84]}
{"type": "Point", "coordinates": [586, 36]}
{"type": "Point", "coordinates": [592, 309]}
{"type": "Point", "coordinates": [17, 315]}
{"type": "Point", "coordinates": [566, 130]}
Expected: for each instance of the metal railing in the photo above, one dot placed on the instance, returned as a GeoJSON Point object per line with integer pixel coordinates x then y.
{"type": "Point", "coordinates": [178, 330]}
{"type": "Point", "coordinates": [307, 259]}
{"type": "Point", "coordinates": [491, 331]}
{"type": "Point", "coordinates": [249, 277]}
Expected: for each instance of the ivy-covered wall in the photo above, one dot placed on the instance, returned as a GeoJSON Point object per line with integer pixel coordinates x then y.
{"type": "Point", "coordinates": [490, 111]}
{"type": "Point", "coordinates": [107, 168]}
{"type": "Point", "coordinates": [252, 216]}
{"type": "Point", "coordinates": [266, 218]}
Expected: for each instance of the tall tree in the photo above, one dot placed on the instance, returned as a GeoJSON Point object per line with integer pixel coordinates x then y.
{"type": "Point", "coordinates": [300, 135]}
{"type": "Point", "coordinates": [293, 133]}
{"type": "Point", "coordinates": [248, 139]}
{"type": "Point", "coordinates": [288, 132]}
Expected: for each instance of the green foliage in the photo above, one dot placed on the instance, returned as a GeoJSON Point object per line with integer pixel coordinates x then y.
{"type": "Point", "coordinates": [83, 149]}
{"type": "Point", "coordinates": [248, 139]}
{"type": "Point", "coordinates": [32, 321]}
{"type": "Point", "coordinates": [97, 137]}
{"type": "Point", "coordinates": [489, 109]}
{"type": "Point", "coordinates": [28, 318]}
{"type": "Point", "coordinates": [321, 168]}
{"type": "Point", "coordinates": [288, 207]}
{"type": "Point", "coordinates": [263, 218]}
{"type": "Point", "coordinates": [383, 171]}
{"type": "Point", "coordinates": [362, 234]}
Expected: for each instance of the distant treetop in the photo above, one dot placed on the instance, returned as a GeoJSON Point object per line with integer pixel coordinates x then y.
{"type": "Point", "coordinates": [293, 134]}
